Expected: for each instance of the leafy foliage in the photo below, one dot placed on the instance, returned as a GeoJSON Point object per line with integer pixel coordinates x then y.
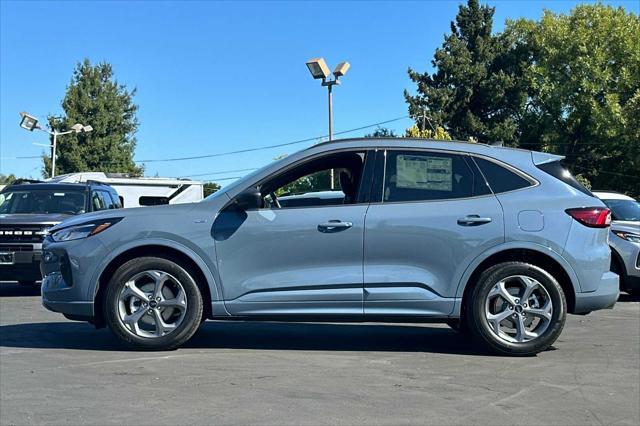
{"type": "Point", "coordinates": [382, 132]}
{"type": "Point", "coordinates": [94, 98]}
{"type": "Point", "coordinates": [7, 179]}
{"type": "Point", "coordinates": [209, 188]}
{"type": "Point", "coordinates": [320, 181]}
{"type": "Point", "coordinates": [439, 133]}
{"type": "Point", "coordinates": [584, 84]}
{"type": "Point", "coordinates": [568, 84]}
{"type": "Point", "coordinates": [476, 87]}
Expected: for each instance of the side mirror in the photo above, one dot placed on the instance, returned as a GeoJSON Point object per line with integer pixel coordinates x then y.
{"type": "Point", "coordinates": [249, 199]}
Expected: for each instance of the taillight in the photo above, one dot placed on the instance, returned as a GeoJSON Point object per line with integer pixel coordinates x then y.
{"type": "Point", "coordinates": [593, 217]}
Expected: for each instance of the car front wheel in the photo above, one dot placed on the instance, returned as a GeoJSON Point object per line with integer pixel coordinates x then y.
{"type": "Point", "coordinates": [153, 303]}
{"type": "Point", "coordinates": [517, 309]}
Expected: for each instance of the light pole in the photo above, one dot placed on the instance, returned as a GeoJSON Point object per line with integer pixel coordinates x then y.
{"type": "Point", "coordinates": [319, 70]}
{"type": "Point", "coordinates": [30, 123]}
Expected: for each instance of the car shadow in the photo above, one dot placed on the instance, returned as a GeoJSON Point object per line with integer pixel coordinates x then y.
{"type": "Point", "coordinates": [256, 336]}
{"type": "Point", "coordinates": [626, 297]}
{"type": "Point", "coordinates": [12, 289]}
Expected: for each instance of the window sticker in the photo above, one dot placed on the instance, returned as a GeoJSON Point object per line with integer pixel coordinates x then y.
{"type": "Point", "coordinates": [423, 172]}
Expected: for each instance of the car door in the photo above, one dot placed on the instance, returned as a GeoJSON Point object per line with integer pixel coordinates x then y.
{"type": "Point", "coordinates": [431, 215]}
{"type": "Point", "coordinates": [303, 257]}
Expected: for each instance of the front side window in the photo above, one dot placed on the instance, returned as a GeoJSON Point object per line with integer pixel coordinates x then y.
{"type": "Point", "coordinates": [42, 201]}
{"type": "Point", "coordinates": [97, 202]}
{"type": "Point", "coordinates": [310, 184]}
{"type": "Point", "coordinates": [106, 199]}
{"type": "Point", "coordinates": [420, 175]}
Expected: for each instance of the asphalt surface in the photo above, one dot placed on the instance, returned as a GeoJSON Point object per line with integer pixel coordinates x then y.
{"type": "Point", "coordinates": [55, 371]}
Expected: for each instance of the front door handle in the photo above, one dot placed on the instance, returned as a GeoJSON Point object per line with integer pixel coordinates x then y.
{"type": "Point", "coordinates": [473, 220]}
{"type": "Point", "coordinates": [334, 226]}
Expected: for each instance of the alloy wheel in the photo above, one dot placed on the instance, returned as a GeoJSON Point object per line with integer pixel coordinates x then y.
{"type": "Point", "coordinates": [518, 309]}
{"type": "Point", "coordinates": [152, 304]}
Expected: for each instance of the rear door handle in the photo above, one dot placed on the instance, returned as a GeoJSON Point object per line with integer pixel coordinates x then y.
{"type": "Point", "coordinates": [473, 220]}
{"type": "Point", "coordinates": [334, 226]}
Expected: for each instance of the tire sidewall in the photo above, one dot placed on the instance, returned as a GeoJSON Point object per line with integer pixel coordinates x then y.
{"type": "Point", "coordinates": [172, 340]}
{"type": "Point", "coordinates": [481, 326]}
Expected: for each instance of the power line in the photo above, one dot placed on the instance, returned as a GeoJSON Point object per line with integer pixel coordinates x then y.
{"type": "Point", "coordinates": [196, 157]}
{"type": "Point", "coordinates": [220, 172]}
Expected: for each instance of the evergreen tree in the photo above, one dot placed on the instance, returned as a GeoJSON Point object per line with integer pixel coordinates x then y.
{"type": "Point", "coordinates": [476, 88]}
{"type": "Point", "coordinates": [94, 98]}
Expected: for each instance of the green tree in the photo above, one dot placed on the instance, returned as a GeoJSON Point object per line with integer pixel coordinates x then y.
{"type": "Point", "coordinates": [210, 187]}
{"type": "Point", "coordinates": [382, 132]}
{"type": "Point", "coordinates": [584, 82]}
{"type": "Point", "coordinates": [416, 132]}
{"type": "Point", "coordinates": [476, 89]}
{"type": "Point", "coordinates": [95, 98]}
{"type": "Point", "coordinates": [7, 179]}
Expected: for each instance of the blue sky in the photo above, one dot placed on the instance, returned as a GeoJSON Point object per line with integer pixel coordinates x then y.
{"type": "Point", "coordinates": [213, 77]}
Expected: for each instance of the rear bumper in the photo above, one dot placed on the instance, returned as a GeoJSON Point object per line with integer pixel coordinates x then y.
{"type": "Point", "coordinates": [605, 296]}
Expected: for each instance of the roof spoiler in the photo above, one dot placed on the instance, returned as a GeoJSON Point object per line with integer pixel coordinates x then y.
{"type": "Point", "coordinates": [544, 157]}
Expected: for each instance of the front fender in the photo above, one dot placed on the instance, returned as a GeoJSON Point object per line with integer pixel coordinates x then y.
{"type": "Point", "coordinates": [195, 257]}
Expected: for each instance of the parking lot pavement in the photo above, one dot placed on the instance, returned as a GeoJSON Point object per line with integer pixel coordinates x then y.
{"type": "Point", "coordinates": [56, 371]}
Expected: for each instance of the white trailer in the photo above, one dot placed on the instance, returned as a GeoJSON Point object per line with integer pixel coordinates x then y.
{"type": "Point", "coordinates": [142, 191]}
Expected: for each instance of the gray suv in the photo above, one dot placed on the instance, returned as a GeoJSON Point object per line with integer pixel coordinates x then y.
{"type": "Point", "coordinates": [29, 208]}
{"type": "Point", "coordinates": [501, 243]}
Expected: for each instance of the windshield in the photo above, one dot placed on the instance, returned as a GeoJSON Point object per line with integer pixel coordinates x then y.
{"type": "Point", "coordinates": [624, 209]}
{"type": "Point", "coordinates": [42, 201]}
{"type": "Point", "coordinates": [242, 180]}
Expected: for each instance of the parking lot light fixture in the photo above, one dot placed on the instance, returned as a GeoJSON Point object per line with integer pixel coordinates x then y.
{"type": "Point", "coordinates": [318, 68]}
{"type": "Point", "coordinates": [29, 122]}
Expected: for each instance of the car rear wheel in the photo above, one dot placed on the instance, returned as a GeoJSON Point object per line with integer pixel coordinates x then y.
{"type": "Point", "coordinates": [517, 309]}
{"type": "Point", "coordinates": [153, 304]}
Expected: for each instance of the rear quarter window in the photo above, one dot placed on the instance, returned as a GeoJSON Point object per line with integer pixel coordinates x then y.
{"type": "Point", "coordinates": [556, 170]}
{"type": "Point", "coordinates": [499, 178]}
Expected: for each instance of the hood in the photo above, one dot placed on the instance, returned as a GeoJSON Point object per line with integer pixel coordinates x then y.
{"type": "Point", "coordinates": [33, 219]}
{"type": "Point", "coordinates": [626, 226]}
{"type": "Point", "coordinates": [168, 209]}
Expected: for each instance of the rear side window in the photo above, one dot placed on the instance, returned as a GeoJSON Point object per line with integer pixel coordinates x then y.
{"type": "Point", "coordinates": [419, 175]}
{"type": "Point", "coordinates": [500, 179]}
{"type": "Point", "coordinates": [556, 170]}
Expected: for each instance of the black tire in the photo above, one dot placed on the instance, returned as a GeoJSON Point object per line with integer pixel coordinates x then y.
{"type": "Point", "coordinates": [479, 325]}
{"type": "Point", "coordinates": [177, 337]}
{"type": "Point", "coordinates": [27, 283]}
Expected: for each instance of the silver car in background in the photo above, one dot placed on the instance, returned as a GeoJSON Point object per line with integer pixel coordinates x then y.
{"type": "Point", "coordinates": [624, 238]}
{"type": "Point", "coordinates": [499, 242]}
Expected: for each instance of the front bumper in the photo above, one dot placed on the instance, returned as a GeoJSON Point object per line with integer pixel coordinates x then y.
{"type": "Point", "coordinates": [25, 264]}
{"type": "Point", "coordinates": [68, 267]}
{"type": "Point", "coordinates": [605, 296]}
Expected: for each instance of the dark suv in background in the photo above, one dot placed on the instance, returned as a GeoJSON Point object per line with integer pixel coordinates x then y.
{"type": "Point", "coordinates": [28, 209]}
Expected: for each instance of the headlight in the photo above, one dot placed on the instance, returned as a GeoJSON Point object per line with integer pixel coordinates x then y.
{"type": "Point", "coordinates": [83, 230]}
{"type": "Point", "coordinates": [634, 238]}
